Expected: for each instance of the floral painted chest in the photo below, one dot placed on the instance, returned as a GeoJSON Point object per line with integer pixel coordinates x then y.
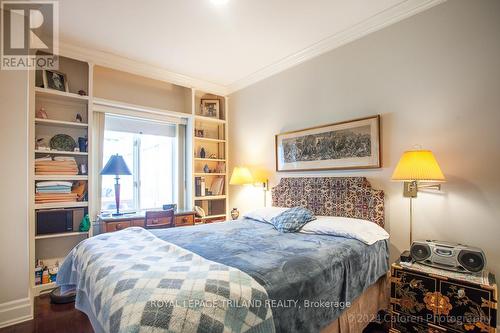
{"type": "Point", "coordinates": [428, 302]}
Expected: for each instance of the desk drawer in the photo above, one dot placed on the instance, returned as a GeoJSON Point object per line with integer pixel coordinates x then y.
{"type": "Point", "coordinates": [115, 226]}
{"type": "Point", "coordinates": [137, 223]}
{"type": "Point", "coordinates": [183, 220]}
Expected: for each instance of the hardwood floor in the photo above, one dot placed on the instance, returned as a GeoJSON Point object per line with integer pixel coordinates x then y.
{"type": "Point", "coordinates": [53, 318]}
{"type": "Point", "coordinates": [64, 318]}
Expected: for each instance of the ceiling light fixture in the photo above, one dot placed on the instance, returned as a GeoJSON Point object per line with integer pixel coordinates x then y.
{"type": "Point", "coordinates": [219, 2]}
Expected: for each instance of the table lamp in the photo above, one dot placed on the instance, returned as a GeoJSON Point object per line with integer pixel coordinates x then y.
{"type": "Point", "coordinates": [240, 176]}
{"type": "Point", "coordinates": [415, 169]}
{"type": "Point", "coordinates": [116, 166]}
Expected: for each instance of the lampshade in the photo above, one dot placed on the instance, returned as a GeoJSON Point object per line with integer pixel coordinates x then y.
{"type": "Point", "coordinates": [116, 166]}
{"type": "Point", "coordinates": [419, 165]}
{"type": "Point", "coordinates": [241, 176]}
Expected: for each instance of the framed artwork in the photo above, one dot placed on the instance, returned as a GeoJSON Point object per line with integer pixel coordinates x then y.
{"type": "Point", "coordinates": [210, 108]}
{"type": "Point", "coordinates": [353, 144]}
{"type": "Point", "coordinates": [55, 80]}
{"type": "Point", "coordinates": [199, 133]}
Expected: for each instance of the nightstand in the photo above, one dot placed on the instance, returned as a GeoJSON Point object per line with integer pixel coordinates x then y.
{"type": "Point", "coordinates": [426, 299]}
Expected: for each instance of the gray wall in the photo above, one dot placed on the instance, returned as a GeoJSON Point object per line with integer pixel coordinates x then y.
{"type": "Point", "coordinates": [14, 268]}
{"type": "Point", "coordinates": [435, 80]}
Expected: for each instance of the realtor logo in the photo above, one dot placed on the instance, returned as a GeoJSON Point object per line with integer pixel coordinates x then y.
{"type": "Point", "coordinates": [29, 35]}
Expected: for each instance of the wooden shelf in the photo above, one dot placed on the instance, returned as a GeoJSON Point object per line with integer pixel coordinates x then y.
{"type": "Point", "coordinates": [58, 152]}
{"type": "Point", "coordinates": [61, 177]}
{"type": "Point", "coordinates": [61, 95]}
{"type": "Point", "coordinates": [42, 287]}
{"type": "Point", "coordinates": [214, 120]}
{"type": "Point", "coordinates": [211, 197]}
{"type": "Point", "coordinates": [60, 123]}
{"type": "Point", "coordinates": [209, 159]}
{"type": "Point", "coordinates": [63, 234]}
{"type": "Point", "coordinates": [209, 174]}
{"type": "Point", "coordinates": [209, 139]}
{"type": "Point", "coordinates": [62, 205]}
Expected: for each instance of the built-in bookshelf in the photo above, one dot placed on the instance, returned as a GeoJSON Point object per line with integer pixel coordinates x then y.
{"type": "Point", "coordinates": [54, 112]}
{"type": "Point", "coordinates": [92, 89]}
{"type": "Point", "coordinates": [210, 152]}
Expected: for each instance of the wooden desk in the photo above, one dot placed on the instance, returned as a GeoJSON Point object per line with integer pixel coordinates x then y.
{"type": "Point", "coordinates": [112, 223]}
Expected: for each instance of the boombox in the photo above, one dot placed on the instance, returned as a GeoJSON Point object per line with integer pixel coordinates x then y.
{"type": "Point", "coordinates": [450, 256]}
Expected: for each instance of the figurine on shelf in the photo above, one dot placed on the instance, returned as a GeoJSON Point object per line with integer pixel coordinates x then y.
{"type": "Point", "coordinates": [220, 168]}
{"type": "Point", "coordinates": [206, 169]}
{"type": "Point", "coordinates": [82, 92]}
{"type": "Point", "coordinates": [41, 143]}
{"type": "Point", "coordinates": [79, 118]}
{"type": "Point", "coordinates": [40, 113]}
{"type": "Point", "coordinates": [203, 153]}
{"type": "Point", "coordinates": [212, 156]}
{"type": "Point", "coordinates": [82, 144]}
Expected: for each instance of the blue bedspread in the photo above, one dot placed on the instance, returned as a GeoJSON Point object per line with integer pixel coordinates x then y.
{"type": "Point", "coordinates": [299, 271]}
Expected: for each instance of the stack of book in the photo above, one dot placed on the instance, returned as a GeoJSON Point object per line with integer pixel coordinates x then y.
{"type": "Point", "coordinates": [61, 165]}
{"type": "Point", "coordinates": [216, 188]}
{"type": "Point", "coordinates": [54, 191]}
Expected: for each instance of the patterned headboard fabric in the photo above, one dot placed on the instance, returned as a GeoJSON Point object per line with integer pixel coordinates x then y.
{"type": "Point", "coordinates": [332, 196]}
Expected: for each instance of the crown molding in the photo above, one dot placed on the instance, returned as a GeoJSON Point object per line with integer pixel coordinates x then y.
{"type": "Point", "coordinates": [378, 21]}
{"type": "Point", "coordinates": [120, 63]}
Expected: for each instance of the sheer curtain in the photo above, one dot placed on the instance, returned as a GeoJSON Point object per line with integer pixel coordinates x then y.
{"type": "Point", "coordinates": [98, 127]}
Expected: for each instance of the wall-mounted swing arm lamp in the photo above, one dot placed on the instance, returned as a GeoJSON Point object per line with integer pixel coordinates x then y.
{"type": "Point", "coordinates": [242, 176]}
{"type": "Point", "coordinates": [418, 169]}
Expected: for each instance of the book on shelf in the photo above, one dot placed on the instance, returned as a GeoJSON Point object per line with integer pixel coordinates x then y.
{"type": "Point", "coordinates": [203, 186]}
{"type": "Point", "coordinates": [217, 187]}
{"type": "Point", "coordinates": [200, 186]}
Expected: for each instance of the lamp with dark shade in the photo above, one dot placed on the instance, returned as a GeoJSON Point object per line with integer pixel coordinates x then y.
{"type": "Point", "coordinates": [116, 166]}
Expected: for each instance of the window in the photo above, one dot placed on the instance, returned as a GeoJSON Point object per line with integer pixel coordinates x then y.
{"type": "Point", "coordinates": [150, 151]}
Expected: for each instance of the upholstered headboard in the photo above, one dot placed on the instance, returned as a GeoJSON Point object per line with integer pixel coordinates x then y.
{"type": "Point", "coordinates": [332, 196]}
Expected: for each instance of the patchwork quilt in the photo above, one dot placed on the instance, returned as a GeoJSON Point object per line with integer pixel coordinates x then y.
{"type": "Point", "coordinates": [132, 281]}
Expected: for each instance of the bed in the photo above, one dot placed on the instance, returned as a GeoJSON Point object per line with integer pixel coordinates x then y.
{"type": "Point", "coordinates": [309, 283]}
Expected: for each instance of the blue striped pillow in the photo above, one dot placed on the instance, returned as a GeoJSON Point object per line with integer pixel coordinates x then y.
{"type": "Point", "coordinates": [292, 220]}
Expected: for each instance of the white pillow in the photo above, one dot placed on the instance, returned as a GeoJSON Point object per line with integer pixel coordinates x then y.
{"type": "Point", "coordinates": [265, 214]}
{"type": "Point", "coordinates": [362, 230]}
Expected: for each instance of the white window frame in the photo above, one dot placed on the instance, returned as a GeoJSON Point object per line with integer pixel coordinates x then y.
{"type": "Point", "coordinates": [136, 172]}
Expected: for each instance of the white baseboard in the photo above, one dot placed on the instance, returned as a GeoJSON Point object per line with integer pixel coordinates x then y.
{"type": "Point", "coordinates": [15, 312]}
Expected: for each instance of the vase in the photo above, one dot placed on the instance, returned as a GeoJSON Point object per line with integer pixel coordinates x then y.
{"type": "Point", "coordinates": [235, 213]}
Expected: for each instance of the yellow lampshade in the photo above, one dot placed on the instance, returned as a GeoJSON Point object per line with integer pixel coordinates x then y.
{"type": "Point", "coordinates": [418, 165]}
{"type": "Point", "coordinates": [241, 176]}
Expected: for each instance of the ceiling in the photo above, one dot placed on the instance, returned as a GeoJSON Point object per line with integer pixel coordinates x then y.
{"type": "Point", "coordinates": [232, 44]}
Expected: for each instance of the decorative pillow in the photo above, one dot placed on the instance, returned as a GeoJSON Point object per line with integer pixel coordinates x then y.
{"type": "Point", "coordinates": [292, 219]}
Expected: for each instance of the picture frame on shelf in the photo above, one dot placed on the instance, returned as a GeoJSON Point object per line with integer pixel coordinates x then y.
{"type": "Point", "coordinates": [55, 80]}
{"type": "Point", "coordinates": [199, 133]}
{"type": "Point", "coordinates": [210, 108]}
{"type": "Point", "coordinates": [352, 144]}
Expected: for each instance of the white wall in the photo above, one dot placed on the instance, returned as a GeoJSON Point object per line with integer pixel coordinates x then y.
{"type": "Point", "coordinates": [435, 80]}
{"type": "Point", "coordinates": [14, 269]}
